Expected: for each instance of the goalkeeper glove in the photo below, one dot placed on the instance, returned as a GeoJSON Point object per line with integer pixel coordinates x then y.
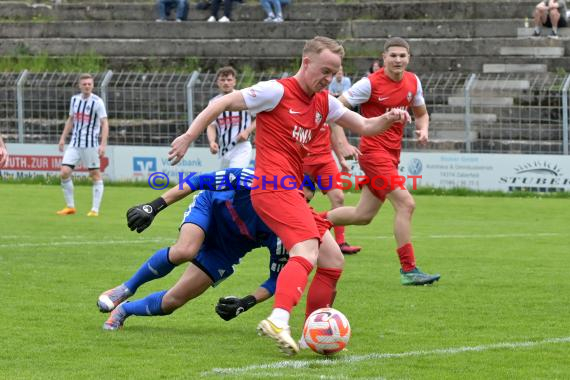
{"type": "Point", "coordinates": [141, 216]}
{"type": "Point", "coordinates": [230, 307]}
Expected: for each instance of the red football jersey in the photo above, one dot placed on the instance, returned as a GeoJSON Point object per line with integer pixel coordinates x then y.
{"type": "Point", "coordinates": [320, 148]}
{"type": "Point", "coordinates": [283, 133]}
{"type": "Point", "coordinates": [385, 94]}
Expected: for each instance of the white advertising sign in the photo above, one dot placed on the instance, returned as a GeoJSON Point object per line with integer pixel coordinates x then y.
{"type": "Point", "coordinates": [503, 172]}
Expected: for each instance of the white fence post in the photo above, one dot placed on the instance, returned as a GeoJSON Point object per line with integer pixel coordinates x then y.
{"type": "Point", "coordinates": [20, 103]}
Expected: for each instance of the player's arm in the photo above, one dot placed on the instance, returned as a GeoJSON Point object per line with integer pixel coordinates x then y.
{"type": "Point", "coordinates": [140, 217]}
{"type": "Point", "coordinates": [212, 135]}
{"type": "Point", "coordinates": [244, 135]}
{"type": "Point", "coordinates": [336, 148]}
{"type": "Point", "coordinates": [104, 136]}
{"type": "Point", "coordinates": [340, 143]}
{"type": "Point", "coordinates": [421, 117]}
{"type": "Point", "coordinates": [3, 153]}
{"type": "Point", "coordinates": [372, 126]}
{"type": "Point", "coordinates": [230, 102]}
{"type": "Point", "coordinates": [66, 129]}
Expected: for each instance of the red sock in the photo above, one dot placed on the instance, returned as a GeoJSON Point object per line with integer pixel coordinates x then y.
{"type": "Point", "coordinates": [322, 290]}
{"type": "Point", "coordinates": [339, 234]}
{"type": "Point", "coordinates": [291, 283]}
{"type": "Point", "coordinates": [407, 258]}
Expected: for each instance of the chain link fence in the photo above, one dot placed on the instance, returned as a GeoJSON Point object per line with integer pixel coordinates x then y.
{"type": "Point", "coordinates": [479, 113]}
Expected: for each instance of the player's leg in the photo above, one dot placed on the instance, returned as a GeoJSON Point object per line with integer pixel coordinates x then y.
{"type": "Point", "coordinates": [70, 159]}
{"type": "Point", "coordinates": [404, 206]}
{"type": "Point", "coordinates": [97, 191]}
{"type": "Point", "coordinates": [161, 263]}
{"type": "Point", "coordinates": [192, 284]}
{"type": "Point", "coordinates": [330, 264]}
{"type": "Point", "coordinates": [365, 210]}
{"type": "Point", "coordinates": [90, 158]}
{"type": "Point", "coordinates": [336, 197]}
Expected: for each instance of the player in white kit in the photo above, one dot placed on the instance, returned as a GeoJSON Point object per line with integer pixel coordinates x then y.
{"type": "Point", "coordinates": [88, 120]}
{"type": "Point", "coordinates": [229, 134]}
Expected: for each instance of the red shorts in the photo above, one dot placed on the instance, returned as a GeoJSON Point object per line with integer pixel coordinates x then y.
{"type": "Point", "coordinates": [288, 214]}
{"type": "Point", "coordinates": [324, 174]}
{"type": "Point", "coordinates": [382, 173]}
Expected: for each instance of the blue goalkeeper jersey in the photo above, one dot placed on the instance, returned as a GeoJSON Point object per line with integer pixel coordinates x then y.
{"type": "Point", "coordinates": [232, 227]}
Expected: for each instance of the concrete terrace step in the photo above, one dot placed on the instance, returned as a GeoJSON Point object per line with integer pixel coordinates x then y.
{"type": "Point", "coordinates": [249, 47]}
{"type": "Point", "coordinates": [243, 29]}
{"type": "Point", "coordinates": [460, 117]}
{"type": "Point", "coordinates": [514, 68]}
{"type": "Point", "coordinates": [536, 51]}
{"type": "Point", "coordinates": [527, 32]}
{"type": "Point", "coordinates": [459, 101]}
{"type": "Point", "coordinates": [314, 12]}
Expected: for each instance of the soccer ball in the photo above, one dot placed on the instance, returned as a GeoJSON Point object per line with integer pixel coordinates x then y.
{"type": "Point", "coordinates": [326, 331]}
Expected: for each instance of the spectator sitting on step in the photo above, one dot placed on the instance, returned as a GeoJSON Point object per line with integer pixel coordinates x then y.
{"type": "Point", "coordinates": [273, 9]}
{"type": "Point", "coordinates": [166, 6]}
{"type": "Point", "coordinates": [550, 13]}
{"type": "Point", "coordinates": [375, 66]}
{"type": "Point", "coordinates": [215, 7]}
{"type": "Point", "coordinates": [339, 84]}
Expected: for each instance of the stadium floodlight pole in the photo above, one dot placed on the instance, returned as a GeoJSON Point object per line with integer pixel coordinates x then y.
{"type": "Point", "coordinates": [190, 96]}
{"type": "Point", "coordinates": [106, 79]}
{"type": "Point", "coordinates": [565, 115]}
{"type": "Point", "coordinates": [20, 102]}
{"type": "Point", "coordinates": [467, 98]}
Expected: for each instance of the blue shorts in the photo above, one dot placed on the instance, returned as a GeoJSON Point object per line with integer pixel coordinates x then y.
{"type": "Point", "coordinates": [211, 259]}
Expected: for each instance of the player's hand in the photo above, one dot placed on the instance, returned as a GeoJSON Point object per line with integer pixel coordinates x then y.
{"type": "Point", "coordinates": [243, 136]}
{"type": "Point", "coordinates": [397, 115]}
{"type": "Point", "coordinates": [101, 150]}
{"type": "Point", "coordinates": [140, 217]}
{"type": "Point", "coordinates": [230, 307]}
{"type": "Point", "coordinates": [179, 147]}
{"type": "Point", "coordinates": [422, 136]}
{"type": "Point", "coordinates": [344, 165]}
{"type": "Point", "coordinates": [214, 147]}
{"type": "Point", "coordinates": [349, 150]}
{"type": "Point", "coordinates": [61, 145]}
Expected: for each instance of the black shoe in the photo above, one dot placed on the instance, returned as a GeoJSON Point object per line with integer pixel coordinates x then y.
{"type": "Point", "coordinates": [553, 34]}
{"type": "Point", "coordinates": [536, 33]}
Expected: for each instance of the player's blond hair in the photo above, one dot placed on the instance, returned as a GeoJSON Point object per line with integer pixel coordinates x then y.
{"type": "Point", "coordinates": [84, 76]}
{"type": "Point", "coordinates": [319, 43]}
{"type": "Point", "coordinates": [396, 41]}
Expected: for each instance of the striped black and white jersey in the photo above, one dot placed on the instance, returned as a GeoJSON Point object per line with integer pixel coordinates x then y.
{"type": "Point", "coordinates": [229, 124]}
{"type": "Point", "coordinates": [87, 115]}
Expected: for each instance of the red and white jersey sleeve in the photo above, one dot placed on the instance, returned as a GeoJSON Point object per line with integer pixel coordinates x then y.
{"type": "Point", "coordinates": [336, 109]}
{"type": "Point", "coordinates": [263, 96]}
{"type": "Point", "coordinates": [359, 92]}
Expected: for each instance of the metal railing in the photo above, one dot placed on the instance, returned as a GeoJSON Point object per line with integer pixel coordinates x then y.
{"type": "Point", "coordinates": [479, 113]}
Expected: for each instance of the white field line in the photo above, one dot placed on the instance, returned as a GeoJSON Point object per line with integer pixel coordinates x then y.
{"type": "Point", "coordinates": [83, 242]}
{"type": "Point", "coordinates": [299, 364]}
{"type": "Point", "coordinates": [471, 236]}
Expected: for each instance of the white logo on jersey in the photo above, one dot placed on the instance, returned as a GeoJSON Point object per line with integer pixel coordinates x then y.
{"type": "Point", "coordinates": [318, 118]}
{"type": "Point", "coordinates": [293, 112]}
{"type": "Point", "coordinates": [301, 134]}
{"type": "Point", "coordinates": [409, 96]}
{"type": "Point", "coordinates": [380, 99]}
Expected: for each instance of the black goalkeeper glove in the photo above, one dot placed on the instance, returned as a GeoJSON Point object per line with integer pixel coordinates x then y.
{"type": "Point", "coordinates": [230, 307]}
{"type": "Point", "coordinates": [141, 216]}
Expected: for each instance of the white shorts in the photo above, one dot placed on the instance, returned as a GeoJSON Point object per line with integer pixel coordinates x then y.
{"type": "Point", "coordinates": [238, 157]}
{"type": "Point", "coordinates": [88, 156]}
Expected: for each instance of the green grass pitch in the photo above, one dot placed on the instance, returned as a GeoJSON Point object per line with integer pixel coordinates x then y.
{"type": "Point", "coordinates": [500, 311]}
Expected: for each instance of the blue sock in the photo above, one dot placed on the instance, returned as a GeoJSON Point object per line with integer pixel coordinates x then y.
{"type": "Point", "coordinates": [156, 266]}
{"type": "Point", "coordinates": [150, 305]}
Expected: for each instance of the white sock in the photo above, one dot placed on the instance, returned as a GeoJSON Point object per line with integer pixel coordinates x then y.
{"type": "Point", "coordinates": [280, 317]}
{"type": "Point", "coordinates": [97, 195]}
{"type": "Point", "coordinates": [67, 187]}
